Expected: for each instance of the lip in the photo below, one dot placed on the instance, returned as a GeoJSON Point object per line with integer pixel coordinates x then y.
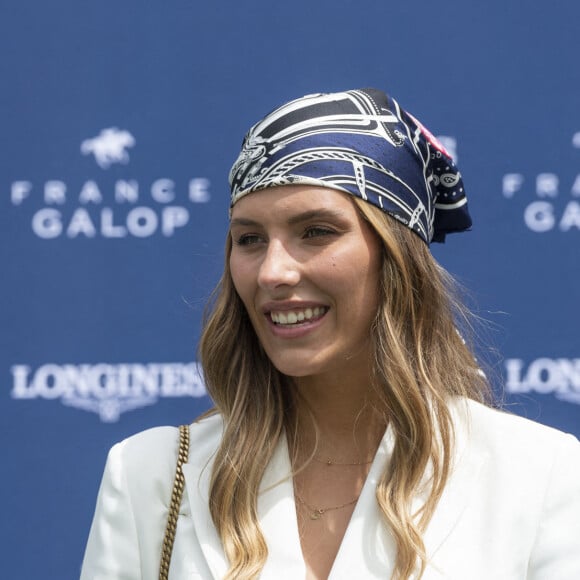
{"type": "Point", "coordinates": [294, 331]}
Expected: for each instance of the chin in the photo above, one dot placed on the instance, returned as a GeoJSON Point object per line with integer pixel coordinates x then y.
{"type": "Point", "coordinates": [297, 367]}
{"type": "Point", "coordinates": [292, 370]}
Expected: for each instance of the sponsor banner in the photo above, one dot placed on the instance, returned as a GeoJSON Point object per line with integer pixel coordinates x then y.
{"type": "Point", "coordinates": [559, 377]}
{"type": "Point", "coordinates": [107, 389]}
{"type": "Point", "coordinates": [105, 205]}
{"type": "Point", "coordinates": [552, 203]}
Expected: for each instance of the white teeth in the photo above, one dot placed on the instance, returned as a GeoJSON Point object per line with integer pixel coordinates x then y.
{"type": "Point", "coordinates": [297, 316]}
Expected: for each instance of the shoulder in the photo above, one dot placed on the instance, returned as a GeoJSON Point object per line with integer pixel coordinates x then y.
{"type": "Point", "coordinates": [513, 443]}
{"type": "Point", "coordinates": [530, 473]}
{"type": "Point", "coordinates": [159, 438]}
{"type": "Point", "coordinates": [134, 498]}
{"type": "Point", "coordinates": [149, 458]}
{"type": "Point", "coordinates": [498, 425]}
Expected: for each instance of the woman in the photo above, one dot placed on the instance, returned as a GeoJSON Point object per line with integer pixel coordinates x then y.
{"type": "Point", "coordinates": [350, 439]}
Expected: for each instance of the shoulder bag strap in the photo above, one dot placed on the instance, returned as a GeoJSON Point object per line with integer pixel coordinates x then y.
{"type": "Point", "coordinates": [176, 494]}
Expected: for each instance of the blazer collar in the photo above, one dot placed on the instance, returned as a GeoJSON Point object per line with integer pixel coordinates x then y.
{"type": "Point", "coordinates": [367, 550]}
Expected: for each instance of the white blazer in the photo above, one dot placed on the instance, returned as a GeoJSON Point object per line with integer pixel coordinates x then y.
{"type": "Point", "coordinates": [510, 510]}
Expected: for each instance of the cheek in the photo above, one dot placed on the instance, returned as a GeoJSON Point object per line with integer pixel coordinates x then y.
{"type": "Point", "coordinates": [365, 287]}
{"type": "Point", "coordinates": [240, 277]}
{"type": "Point", "coordinates": [243, 280]}
{"type": "Point", "coordinates": [356, 291]}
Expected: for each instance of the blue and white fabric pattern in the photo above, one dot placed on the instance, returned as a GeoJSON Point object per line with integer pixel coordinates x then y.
{"type": "Point", "coordinates": [359, 142]}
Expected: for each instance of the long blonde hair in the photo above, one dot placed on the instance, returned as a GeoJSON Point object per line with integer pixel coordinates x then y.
{"type": "Point", "coordinates": [420, 361]}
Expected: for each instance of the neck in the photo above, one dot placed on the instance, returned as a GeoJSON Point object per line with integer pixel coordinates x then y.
{"type": "Point", "coordinates": [338, 417]}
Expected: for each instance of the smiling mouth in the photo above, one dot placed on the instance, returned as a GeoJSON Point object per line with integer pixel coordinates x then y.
{"type": "Point", "coordinates": [291, 317]}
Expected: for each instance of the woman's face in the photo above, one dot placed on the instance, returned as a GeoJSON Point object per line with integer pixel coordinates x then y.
{"type": "Point", "coordinates": [306, 266]}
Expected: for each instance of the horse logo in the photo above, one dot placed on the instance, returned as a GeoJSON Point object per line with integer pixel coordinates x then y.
{"type": "Point", "coordinates": [109, 147]}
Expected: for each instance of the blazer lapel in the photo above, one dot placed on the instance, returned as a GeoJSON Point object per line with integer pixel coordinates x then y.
{"type": "Point", "coordinates": [277, 514]}
{"type": "Point", "coordinates": [460, 488]}
{"type": "Point", "coordinates": [204, 436]}
{"type": "Point", "coordinates": [367, 549]}
{"type": "Point", "coordinates": [276, 509]}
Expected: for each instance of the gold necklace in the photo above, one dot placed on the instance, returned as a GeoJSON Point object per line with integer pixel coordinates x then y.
{"type": "Point", "coordinates": [331, 461]}
{"type": "Point", "coordinates": [317, 513]}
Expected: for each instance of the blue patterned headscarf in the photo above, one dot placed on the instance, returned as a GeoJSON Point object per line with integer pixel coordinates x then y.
{"type": "Point", "coordinates": [359, 142]}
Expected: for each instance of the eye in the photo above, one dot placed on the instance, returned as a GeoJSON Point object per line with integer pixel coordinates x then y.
{"type": "Point", "coordinates": [247, 239]}
{"type": "Point", "coordinates": [318, 231]}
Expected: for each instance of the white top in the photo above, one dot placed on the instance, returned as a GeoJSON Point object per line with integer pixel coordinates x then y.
{"type": "Point", "coordinates": [510, 510]}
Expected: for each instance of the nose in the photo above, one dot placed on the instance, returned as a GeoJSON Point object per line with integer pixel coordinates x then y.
{"type": "Point", "coordinates": [278, 267]}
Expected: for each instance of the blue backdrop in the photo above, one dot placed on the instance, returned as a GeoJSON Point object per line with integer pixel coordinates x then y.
{"type": "Point", "coordinates": [119, 122]}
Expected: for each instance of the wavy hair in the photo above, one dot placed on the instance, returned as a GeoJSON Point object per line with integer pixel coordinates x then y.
{"type": "Point", "coordinates": [420, 361]}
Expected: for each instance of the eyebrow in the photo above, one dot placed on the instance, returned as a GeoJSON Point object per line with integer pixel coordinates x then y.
{"type": "Point", "coordinates": [295, 219]}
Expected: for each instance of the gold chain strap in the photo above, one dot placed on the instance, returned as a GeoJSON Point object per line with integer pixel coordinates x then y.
{"type": "Point", "coordinates": [176, 494]}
